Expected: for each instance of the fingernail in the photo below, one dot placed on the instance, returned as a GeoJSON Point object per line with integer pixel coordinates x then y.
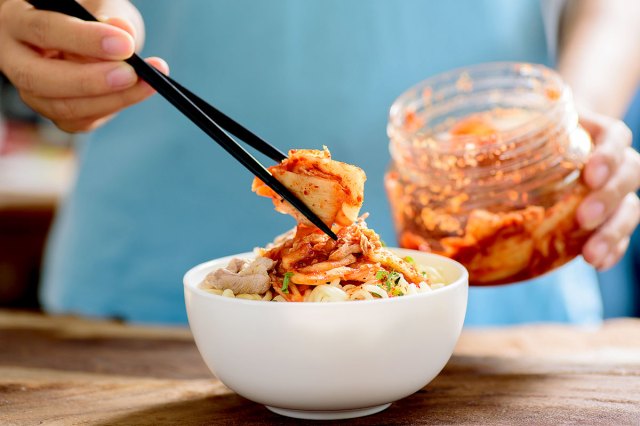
{"type": "Point", "coordinates": [599, 251]}
{"type": "Point", "coordinates": [123, 76]}
{"type": "Point", "coordinates": [591, 214]}
{"type": "Point", "coordinates": [599, 175]}
{"type": "Point", "coordinates": [116, 45]}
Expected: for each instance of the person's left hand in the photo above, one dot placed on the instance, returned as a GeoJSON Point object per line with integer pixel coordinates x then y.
{"type": "Point", "coordinates": [612, 174]}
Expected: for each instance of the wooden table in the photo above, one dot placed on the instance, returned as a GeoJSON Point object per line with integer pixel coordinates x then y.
{"type": "Point", "coordinates": [66, 370]}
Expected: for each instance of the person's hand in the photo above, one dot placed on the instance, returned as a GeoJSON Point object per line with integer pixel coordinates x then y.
{"type": "Point", "coordinates": [69, 70]}
{"type": "Point", "coordinates": [612, 207]}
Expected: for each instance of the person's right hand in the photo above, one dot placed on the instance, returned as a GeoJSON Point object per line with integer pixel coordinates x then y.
{"type": "Point", "coordinates": [69, 70]}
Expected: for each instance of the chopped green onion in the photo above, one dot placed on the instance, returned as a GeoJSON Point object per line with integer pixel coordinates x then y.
{"type": "Point", "coordinates": [383, 243]}
{"type": "Point", "coordinates": [380, 275]}
{"type": "Point", "coordinates": [285, 282]}
{"type": "Point", "coordinates": [392, 279]}
{"type": "Point", "coordinates": [409, 259]}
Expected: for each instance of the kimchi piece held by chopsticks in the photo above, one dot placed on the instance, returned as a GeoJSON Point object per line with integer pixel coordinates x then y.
{"type": "Point", "coordinates": [331, 189]}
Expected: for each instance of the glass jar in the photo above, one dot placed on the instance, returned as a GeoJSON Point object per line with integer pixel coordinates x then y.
{"type": "Point", "coordinates": [486, 169]}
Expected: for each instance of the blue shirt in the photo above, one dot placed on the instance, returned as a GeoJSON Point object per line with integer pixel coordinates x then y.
{"type": "Point", "coordinates": [155, 196]}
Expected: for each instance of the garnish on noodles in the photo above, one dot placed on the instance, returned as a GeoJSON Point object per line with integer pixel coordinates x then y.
{"type": "Point", "coordinates": [304, 264]}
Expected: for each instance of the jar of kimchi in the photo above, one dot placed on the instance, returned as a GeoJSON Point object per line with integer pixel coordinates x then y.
{"type": "Point", "coordinates": [486, 169]}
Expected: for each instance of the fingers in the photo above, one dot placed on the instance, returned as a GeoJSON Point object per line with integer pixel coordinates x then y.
{"type": "Point", "coordinates": [613, 174]}
{"type": "Point", "coordinates": [47, 77]}
{"type": "Point", "coordinates": [84, 113]}
{"type": "Point", "coordinates": [71, 70]}
{"type": "Point", "coordinates": [66, 109]}
{"type": "Point", "coordinates": [611, 141]}
{"type": "Point", "coordinates": [609, 243]}
{"type": "Point", "coordinates": [599, 204]}
{"type": "Point", "coordinates": [50, 30]}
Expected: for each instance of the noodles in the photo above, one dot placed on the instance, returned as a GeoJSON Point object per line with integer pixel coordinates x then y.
{"type": "Point", "coordinates": [334, 293]}
{"type": "Point", "coordinates": [375, 291]}
{"type": "Point", "coordinates": [326, 293]}
{"type": "Point", "coordinates": [229, 293]}
{"type": "Point", "coordinates": [306, 265]}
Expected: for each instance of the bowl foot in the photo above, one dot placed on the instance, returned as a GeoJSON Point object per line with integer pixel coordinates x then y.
{"type": "Point", "coordinates": [328, 415]}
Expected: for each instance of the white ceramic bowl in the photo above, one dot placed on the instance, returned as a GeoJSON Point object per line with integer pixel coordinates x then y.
{"type": "Point", "coordinates": [328, 360]}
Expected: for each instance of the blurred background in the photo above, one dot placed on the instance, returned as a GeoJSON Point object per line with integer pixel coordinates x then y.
{"type": "Point", "coordinates": [37, 165]}
{"type": "Point", "coordinates": [36, 169]}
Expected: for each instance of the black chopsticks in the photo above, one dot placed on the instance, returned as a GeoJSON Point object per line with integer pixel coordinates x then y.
{"type": "Point", "coordinates": [231, 125]}
{"type": "Point", "coordinates": [206, 117]}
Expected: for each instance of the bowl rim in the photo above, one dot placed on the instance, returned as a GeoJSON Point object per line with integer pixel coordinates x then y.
{"type": "Point", "coordinates": [462, 280]}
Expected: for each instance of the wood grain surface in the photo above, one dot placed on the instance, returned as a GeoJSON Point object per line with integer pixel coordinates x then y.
{"type": "Point", "coordinates": [66, 370]}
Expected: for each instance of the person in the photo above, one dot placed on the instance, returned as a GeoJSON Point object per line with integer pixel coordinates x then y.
{"type": "Point", "coordinates": [154, 196]}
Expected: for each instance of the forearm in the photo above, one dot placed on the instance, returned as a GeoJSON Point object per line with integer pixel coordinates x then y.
{"type": "Point", "coordinates": [600, 53]}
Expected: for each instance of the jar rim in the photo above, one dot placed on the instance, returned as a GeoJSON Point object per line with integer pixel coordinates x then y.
{"type": "Point", "coordinates": [406, 101]}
